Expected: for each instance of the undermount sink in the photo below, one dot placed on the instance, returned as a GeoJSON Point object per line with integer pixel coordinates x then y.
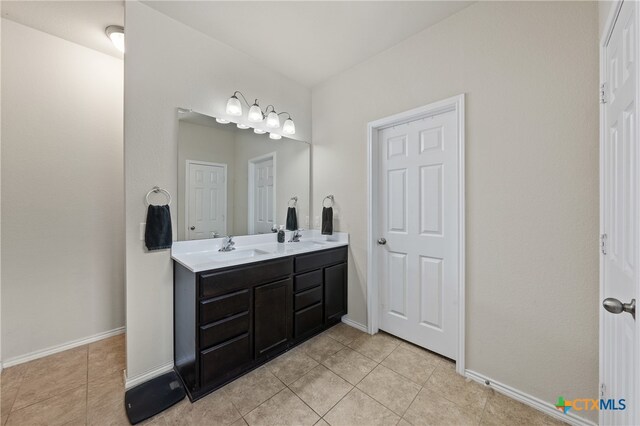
{"type": "Point", "coordinates": [225, 256]}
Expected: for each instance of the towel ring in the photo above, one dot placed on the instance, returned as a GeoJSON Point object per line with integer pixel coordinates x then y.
{"type": "Point", "coordinates": [155, 190]}
{"type": "Point", "coordinates": [330, 198]}
{"type": "Point", "coordinates": [295, 201]}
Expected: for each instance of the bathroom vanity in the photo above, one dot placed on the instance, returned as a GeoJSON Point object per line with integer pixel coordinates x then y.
{"type": "Point", "coordinates": [235, 310]}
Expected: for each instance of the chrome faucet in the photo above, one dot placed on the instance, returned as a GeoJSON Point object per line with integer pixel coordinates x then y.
{"type": "Point", "coordinates": [295, 238]}
{"type": "Point", "coordinates": [228, 244]}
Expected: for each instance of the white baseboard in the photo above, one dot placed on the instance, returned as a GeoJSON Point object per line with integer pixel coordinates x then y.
{"type": "Point", "coordinates": [546, 407]}
{"type": "Point", "coordinates": [130, 382]}
{"type": "Point", "coordinates": [61, 348]}
{"type": "Point", "coordinates": [354, 324]}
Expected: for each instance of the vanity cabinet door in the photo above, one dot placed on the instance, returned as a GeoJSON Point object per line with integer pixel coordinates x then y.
{"type": "Point", "coordinates": [272, 313]}
{"type": "Point", "coordinates": [335, 293]}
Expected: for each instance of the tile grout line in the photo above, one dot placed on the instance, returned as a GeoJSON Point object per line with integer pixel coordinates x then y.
{"type": "Point", "coordinates": [17, 392]}
{"type": "Point", "coordinates": [415, 397]}
{"type": "Point", "coordinates": [86, 394]}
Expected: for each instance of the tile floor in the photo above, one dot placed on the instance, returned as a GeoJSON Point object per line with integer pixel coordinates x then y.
{"type": "Point", "coordinates": [340, 377]}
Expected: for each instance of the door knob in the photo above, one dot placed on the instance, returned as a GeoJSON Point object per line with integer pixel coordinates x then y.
{"type": "Point", "coordinates": [382, 241]}
{"type": "Point", "coordinates": [193, 228]}
{"type": "Point", "coordinates": [617, 307]}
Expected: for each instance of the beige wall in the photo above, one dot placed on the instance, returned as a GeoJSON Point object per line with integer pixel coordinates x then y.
{"type": "Point", "coordinates": [62, 191]}
{"type": "Point", "coordinates": [530, 74]}
{"type": "Point", "coordinates": [170, 65]}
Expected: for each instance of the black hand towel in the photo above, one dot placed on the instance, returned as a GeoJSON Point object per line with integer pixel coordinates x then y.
{"type": "Point", "coordinates": [292, 219]}
{"type": "Point", "coordinates": [327, 221]}
{"type": "Point", "coordinates": [157, 234]}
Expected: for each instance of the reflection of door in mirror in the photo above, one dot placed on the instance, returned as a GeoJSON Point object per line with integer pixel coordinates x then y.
{"type": "Point", "coordinates": [262, 194]}
{"type": "Point", "coordinates": [206, 200]}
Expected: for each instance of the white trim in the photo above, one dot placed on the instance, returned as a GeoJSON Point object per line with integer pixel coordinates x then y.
{"type": "Point", "coordinates": [455, 103]}
{"type": "Point", "coordinates": [251, 183]}
{"type": "Point", "coordinates": [533, 402]}
{"type": "Point", "coordinates": [186, 195]}
{"type": "Point", "coordinates": [130, 382]}
{"type": "Point", "coordinates": [61, 348]}
{"type": "Point", "coordinates": [351, 323]}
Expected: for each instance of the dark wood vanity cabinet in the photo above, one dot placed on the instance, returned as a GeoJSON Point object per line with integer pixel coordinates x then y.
{"type": "Point", "coordinates": [229, 321]}
{"type": "Point", "coordinates": [272, 307]}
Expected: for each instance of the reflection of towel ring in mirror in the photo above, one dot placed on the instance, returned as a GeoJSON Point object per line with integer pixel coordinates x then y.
{"type": "Point", "coordinates": [331, 200]}
{"type": "Point", "coordinates": [295, 201]}
{"type": "Point", "coordinates": [155, 190]}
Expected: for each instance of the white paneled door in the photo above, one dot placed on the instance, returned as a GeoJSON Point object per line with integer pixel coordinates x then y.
{"type": "Point", "coordinates": [620, 369]}
{"type": "Point", "coordinates": [207, 200]}
{"type": "Point", "coordinates": [263, 207]}
{"type": "Point", "coordinates": [418, 246]}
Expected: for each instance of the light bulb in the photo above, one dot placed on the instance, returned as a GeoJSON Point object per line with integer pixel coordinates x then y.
{"type": "Point", "coordinates": [242, 126]}
{"type": "Point", "coordinates": [274, 136]}
{"type": "Point", "coordinates": [222, 120]}
{"type": "Point", "coordinates": [259, 131]}
{"type": "Point", "coordinates": [255, 114]}
{"type": "Point", "coordinates": [273, 121]}
{"type": "Point", "coordinates": [288, 128]}
{"type": "Point", "coordinates": [234, 107]}
{"type": "Point", "coordinates": [116, 35]}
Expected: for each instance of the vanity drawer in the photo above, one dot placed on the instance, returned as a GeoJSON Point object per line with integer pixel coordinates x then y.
{"type": "Point", "coordinates": [224, 361]}
{"type": "Point", "coordinates": [307, 298]}
{"type": "Point", "coordinates": [307, 320]}
{"type": "Point", "coordinates": [217, 283]}
{"type": "Point", "coordinates": [307, 281]}
{"type": "Point", "coordinates": [308, 262]}
{"type": "Point", "coordinates": [223, 306]}
{"type": "Point", "coordinates": [218, 332]}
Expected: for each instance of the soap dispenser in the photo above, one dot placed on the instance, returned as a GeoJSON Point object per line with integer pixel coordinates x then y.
{"type": "Point", "coordinates": [281, 234]}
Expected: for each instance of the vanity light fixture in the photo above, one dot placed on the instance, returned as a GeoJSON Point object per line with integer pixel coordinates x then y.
{"type": "Point", "coordinates": [242, 126]}
{"type": "Point", "coordinates": [116, 35]}
{"type": "Point", "coordinates": [273, 121]}
{"type": "Point", "coordinates": [274, 136]}
{"type": "Point", "coordinates": [222, 121]}
{"type": "Point", "coordinates": [259, 131]}
{"type": "Point", "coordinates": [256, 115]}
{"type": "Point", "coordinates": [288, 128]}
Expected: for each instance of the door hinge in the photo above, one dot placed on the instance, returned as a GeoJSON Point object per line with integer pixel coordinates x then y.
{"type": "Point", "coordinates": [603, 93]}
{"type": "Point", "coordinates": [603, 389]}
{"type": "Point", "coordinates": [603, 243]}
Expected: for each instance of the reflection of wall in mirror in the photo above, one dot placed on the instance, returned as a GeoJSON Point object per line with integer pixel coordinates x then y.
{"type": "Point", "coordinates": [228, 145]}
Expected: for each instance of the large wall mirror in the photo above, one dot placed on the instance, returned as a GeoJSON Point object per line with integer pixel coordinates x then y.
{"type": "Point", "coordinates": [233, 181]}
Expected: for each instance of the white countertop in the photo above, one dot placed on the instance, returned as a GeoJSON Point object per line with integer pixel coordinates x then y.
{"type": "Point", "coordinates": [203, 255]}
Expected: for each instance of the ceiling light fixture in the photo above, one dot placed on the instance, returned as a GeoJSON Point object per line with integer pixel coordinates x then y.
{"type": "Point", "coordinates": [116, 35]}
{"type": "Point", "coordinates": [256, 115]}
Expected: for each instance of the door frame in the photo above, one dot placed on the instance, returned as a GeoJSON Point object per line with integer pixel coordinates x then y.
{"type": "Point", "coordinates": [455, 103]}
{"type": "Point", "coordinates": [251, 187]}
{"type": "Point", "coordinates": [606, 35]}
{"type": "Point", "coordinates": [188, 164]}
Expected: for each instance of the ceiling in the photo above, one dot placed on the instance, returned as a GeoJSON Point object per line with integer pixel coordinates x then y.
{"type": "Point", "coordinates": [309, 41]}
{"type": "Point", "coordinates": [82, 22]}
